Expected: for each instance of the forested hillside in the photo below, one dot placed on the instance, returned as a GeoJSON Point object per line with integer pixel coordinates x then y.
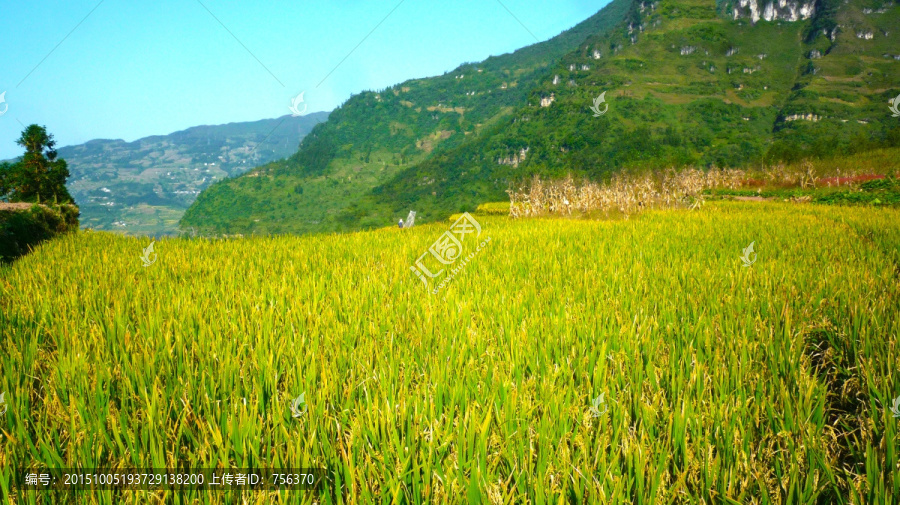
{"type": "Point", "coordinates": [377, 134]}
{"type": "Point", "coordinates": [682, 82]}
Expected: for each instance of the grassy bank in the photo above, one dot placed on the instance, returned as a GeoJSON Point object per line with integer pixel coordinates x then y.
{"type": "Point", "coordinates": [23, 226]}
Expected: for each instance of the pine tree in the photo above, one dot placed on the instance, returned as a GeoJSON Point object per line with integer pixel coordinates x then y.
{"type": "Point", "coordinates": [38, 176]}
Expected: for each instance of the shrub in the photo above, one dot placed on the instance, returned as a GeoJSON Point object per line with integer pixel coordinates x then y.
{"type": "Point", "coordinates": [24, 226]}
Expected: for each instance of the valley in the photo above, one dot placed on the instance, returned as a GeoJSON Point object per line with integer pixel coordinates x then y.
{"type": "Point", "coordinates": [144, 187]}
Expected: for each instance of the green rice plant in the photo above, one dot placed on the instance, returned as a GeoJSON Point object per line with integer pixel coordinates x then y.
{"type": "Point", "coordinates": [498, 208]}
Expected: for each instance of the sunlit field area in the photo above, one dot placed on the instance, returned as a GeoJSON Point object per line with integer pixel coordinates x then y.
{"type": "Point", "coordinates": [642, 360]}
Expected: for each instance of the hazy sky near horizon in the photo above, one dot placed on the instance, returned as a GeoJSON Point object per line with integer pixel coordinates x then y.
{"type": "Point", "coordinates": [116, 69]}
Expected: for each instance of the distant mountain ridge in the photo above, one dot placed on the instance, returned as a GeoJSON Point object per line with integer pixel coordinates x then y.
{"type": "Point", "coordinates": [144, 186]}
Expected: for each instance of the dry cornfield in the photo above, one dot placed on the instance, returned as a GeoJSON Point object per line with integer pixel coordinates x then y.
{"type": "Point", "coordinates": [722, 383]}
{"type": "Point", "coordinates": [627, 194]}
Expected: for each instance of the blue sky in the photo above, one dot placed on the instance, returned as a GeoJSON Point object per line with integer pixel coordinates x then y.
{"type": "Point", "coordinates": [133, 69]}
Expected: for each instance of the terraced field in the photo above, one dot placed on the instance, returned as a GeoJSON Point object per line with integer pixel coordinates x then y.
{"type": "Point", "coordinates": [569, 361]}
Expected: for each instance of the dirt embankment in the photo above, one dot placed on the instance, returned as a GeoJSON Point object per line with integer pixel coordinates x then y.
{"type": "Point", "coordinates": [15, 206]}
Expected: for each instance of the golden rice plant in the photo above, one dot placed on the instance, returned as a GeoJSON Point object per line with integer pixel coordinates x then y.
{"type": "Point", "coordinates": [571, 361]}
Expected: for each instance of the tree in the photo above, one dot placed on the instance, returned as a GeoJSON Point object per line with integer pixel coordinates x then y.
{"type": "Point", "coordinates": [5, 171]}
{"type": "Point", "coordinates": [38, 176]}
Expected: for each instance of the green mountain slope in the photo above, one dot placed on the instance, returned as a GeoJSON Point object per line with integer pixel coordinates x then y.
{"type": "Point", "coordinates": [686, 82]}
{"type": "Point", "coordinates": [849, 74]}
{"type": "Point", "coordinates": [376, 135]}
{"type": "Point", "coordinates": [145, 186]}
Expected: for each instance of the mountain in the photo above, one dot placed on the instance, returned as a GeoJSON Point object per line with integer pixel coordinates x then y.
{"type": "Point", "coordinates": [687, 82]}
{"type": "Point", "coordinates": [145, 186]}
{"type": "Point", "coordinates": [377, 134]}
{"type": "Point", "coordinates": [675, 82]}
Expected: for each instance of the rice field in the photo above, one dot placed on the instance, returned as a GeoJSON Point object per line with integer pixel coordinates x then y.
{"type": "Point", "coordinates": [720, 383]}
